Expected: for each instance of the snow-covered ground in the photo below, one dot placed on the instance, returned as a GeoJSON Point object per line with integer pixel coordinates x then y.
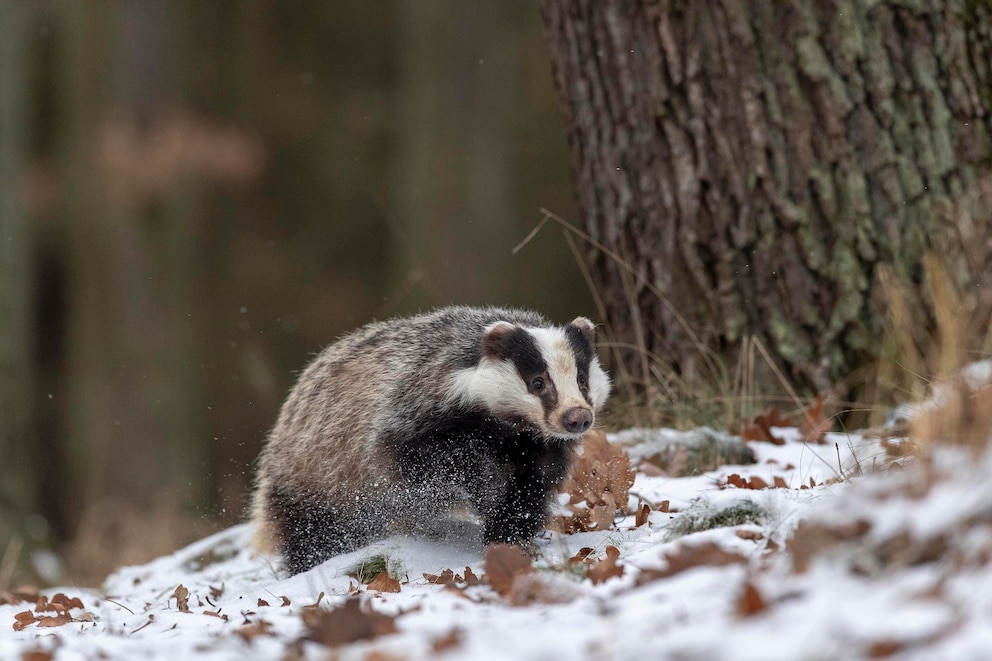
{"type": "Point", "coordinates": [887, 563]}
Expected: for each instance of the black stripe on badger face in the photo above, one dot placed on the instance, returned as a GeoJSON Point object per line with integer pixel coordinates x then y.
{"type": "Point", "coordinates": [519, 347]}
{"type": "Point", "coordinates": [581, 341]}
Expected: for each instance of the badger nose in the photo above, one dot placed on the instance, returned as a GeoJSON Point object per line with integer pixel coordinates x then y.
{"type": "Point", "coordinates": [576, 420]}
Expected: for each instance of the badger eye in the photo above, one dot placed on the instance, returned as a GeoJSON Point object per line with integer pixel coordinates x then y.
{"type": "Point", "coordinates": [537, 385]}
{"type": "Point", "coordinates": [582, 380]}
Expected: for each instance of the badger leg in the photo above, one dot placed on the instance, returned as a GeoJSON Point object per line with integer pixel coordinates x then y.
{"type": "Point", "coordinates": [532, 473]}
{"type": "Point", "coordinates": [310, 532]}
{"type": "Point", "coordinates": [517, 514]}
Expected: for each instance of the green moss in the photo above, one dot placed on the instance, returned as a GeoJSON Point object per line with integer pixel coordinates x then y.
{"type": "Point", "coordinates": [702, 516]}
{"type": "Point", "coordinates": [371, 567]}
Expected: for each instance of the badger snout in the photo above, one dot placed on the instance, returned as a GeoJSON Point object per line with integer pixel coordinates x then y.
{"type": "Point", "coordinates": [576, 420]}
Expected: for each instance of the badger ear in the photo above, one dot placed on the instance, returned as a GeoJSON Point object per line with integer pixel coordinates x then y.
{"type": "Point", "coordinates": [495, 337]}
{"type": "Point", "coordinates": [587, 328]}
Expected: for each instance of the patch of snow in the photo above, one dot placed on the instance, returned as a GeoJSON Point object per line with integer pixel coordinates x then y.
{"type": "Point", "coordinates": [918, 611]}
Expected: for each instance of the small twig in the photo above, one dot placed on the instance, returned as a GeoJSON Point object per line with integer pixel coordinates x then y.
{"type": "Point", "coordinates": [533, 233]}
{"type": "Point", "coordinates": [117, 603]}
{"type": "Point", "coordinates": [151, 618]}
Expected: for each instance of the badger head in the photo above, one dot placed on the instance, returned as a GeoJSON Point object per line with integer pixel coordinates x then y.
{"type": "Point", "coordinates": [547, 378]}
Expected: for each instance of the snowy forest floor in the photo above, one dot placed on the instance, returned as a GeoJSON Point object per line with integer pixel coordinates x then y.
{"type": "Point", "coordinates": [837, 549]}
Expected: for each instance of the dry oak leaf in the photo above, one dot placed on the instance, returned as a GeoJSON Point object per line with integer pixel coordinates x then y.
{"type": "Point", "coordinates": [689, 557]}
{"type": "Point", "coordinates": [755, 482]}
{"type": "Point", "coordinates": [812, 539]}
{"type": "Point", "coordinates": [601, 479]}
{"type": "Point", "coordinates": [182, 598]}
{"type": "Point", "coordinates": [470, 577]}
{"type": "Point", "coordinates": [760, 429]}
{"type": "Point", "coordinates": [580, 557]}
{"type": "Point", "coordinates": [36, 655]}
{"type": "Point", "coordinates": [383, 582]}
{"type": "Point", "coordinates": [449, 641]}
{"type": "Point", "coordinates": [55, 620]}
{"type": "Point", "coordinates": [347, 623]}
{"type": "Point", "coordinates": [446, 577]}
{"type": "Point", "coordinates": [249, 632]}
{"type": "Point", "coordinates": [750, 602]}
{"type": "Point", "coordinates": [503, 563]}
{"type": "Point", "coordinates": [542, 588]}
{"type": "Point", "coordinates": [641, 517]}
{"type": "Point", "coordinates": [815, 423]}
{"type": "Point", "coordinates": [606, 568]}
{"type": "Point", "coordinates": [23, 619]}
{"type": "Point", "coordinates": [60, 603]}
{"type": "Point", "coordinates": [451, 579]}
{"type": "Point", "coordinates": [751, 535]}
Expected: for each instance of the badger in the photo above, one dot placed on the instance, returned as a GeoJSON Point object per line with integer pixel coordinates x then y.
{"type": "Point", "coordinates": [407, 418]}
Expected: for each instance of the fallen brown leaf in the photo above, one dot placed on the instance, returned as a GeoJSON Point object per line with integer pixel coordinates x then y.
{"type": "Point", "coordinates": [542, 588]}
{"type": "Point", "coordinates": [36, 655]}
{"type": "Point", "coordinates": [643, 511]}
{"type": "Point", "coordinates": [449, 641]}
{"type": "Point", "coordinates": [182, 598]}
{"type": "Point", "coordinates": [814, 539]}
{"type": "Point", "coordinates": [580, 557]}
{"type": "Point", "coordinates": [599, 484]}
{"type": "Point", "coordinates": [54, 620]}
{"type": "Point", "coordinates": [503, 563]}
{"type": "Point", "coordinates": [752, 535]}
{"type": "Point", "coordinates": [815, 423]}
{"type": "Point", "coordinates": [446, 577]}
{"type": "Point", "coordinates": [23, 619]}
{"type": "Point", "coordinates": [606, 568]}
{"type": "Point", "coordinates": [347, 623]}
{"type": "Point", "coordinates": [249, 632]}
{"type": "Point", "coordinates": [750, 602]}
{"type": "Point", "coordinates": [688, 557]}
{"type": "Point", "coordinates": [760, 429]}
{"type": "Point", "coordinates": [383, 582]}
{"type": "Point", "coordinates": [470, 577]}
{"type": "Point", "coordinates": [757, 483]}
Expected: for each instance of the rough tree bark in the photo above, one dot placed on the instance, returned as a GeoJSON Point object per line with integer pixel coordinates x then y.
{"type": "Point", "coordinates": [760, 166]}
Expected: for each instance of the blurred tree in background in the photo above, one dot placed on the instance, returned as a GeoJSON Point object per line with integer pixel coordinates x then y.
{"type": "Point", "coordinates": [196, 196]}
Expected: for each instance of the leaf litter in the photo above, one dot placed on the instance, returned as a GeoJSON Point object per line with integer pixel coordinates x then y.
{"type": "Point", "coordinates": [888, 563]}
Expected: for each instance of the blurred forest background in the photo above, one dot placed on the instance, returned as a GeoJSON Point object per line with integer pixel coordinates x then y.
{"type": "Point", "coordinates": [776, 202]}
{"type": "Point", "coordinates": [197, 196]}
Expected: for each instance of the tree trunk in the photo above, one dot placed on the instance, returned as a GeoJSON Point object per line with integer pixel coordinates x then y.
{"type": "Point", "coordinates": [755, 169]}
{"type": "Point", "coordinates": [453, 165]}
{"type": "Point", "coordinates": [18, 482]}
{"type": "Point", "coordinates": [132, 378]}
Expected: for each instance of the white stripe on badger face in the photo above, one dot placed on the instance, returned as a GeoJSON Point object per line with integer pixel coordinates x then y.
{"type": "Point", "coordinates": [557, 353]}
{"type": "Point", "coordinates": [497, 385]}
{"type": "Point", "coordinates": [559, 356]}
{"type": "Point", "coordinates": [599, 384]}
